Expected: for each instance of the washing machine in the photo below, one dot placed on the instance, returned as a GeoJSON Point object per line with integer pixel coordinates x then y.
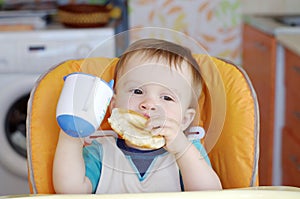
{"type": "Point", "coordinates": [24, 56]}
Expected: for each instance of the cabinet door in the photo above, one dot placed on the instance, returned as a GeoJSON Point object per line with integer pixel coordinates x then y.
{"type": "Point", "coordinates": [259, 57]}
{"type": "Point", "coordinates": [290, 158]}
{"type": "Point", "coordinates": [292, 93]}
{"type": "Point", "coordinates": [291, 133]}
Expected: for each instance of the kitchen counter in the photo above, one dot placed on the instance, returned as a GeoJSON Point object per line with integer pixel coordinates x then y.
{"type": "Point", "coordinates": [266, 24]}
{"type": "Point", "coordinates": [290, 41]}
{"type": "Point", "coordinates": [270, 25]}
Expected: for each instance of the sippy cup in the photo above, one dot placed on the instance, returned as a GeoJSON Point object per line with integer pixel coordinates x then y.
{"type": "Point", "coordinates": [82, 104]}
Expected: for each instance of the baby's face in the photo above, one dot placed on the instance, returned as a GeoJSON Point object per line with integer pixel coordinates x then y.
{"type": "Point", "coordinates": [154, 89]}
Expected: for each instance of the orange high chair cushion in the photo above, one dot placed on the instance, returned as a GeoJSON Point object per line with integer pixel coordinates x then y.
{"type": "Point", "coordinates": [234, 156]}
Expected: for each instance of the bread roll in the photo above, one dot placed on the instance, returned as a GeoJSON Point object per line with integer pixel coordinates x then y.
{"type": "Point", "coordinates": [130, 126]}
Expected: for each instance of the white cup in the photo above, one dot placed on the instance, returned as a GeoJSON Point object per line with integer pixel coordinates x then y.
{"type": "Point", "coordinates": [82, 104]}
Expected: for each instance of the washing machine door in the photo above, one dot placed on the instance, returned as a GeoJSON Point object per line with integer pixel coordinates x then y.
{"type": "Point", "coordinates": [15, 90]}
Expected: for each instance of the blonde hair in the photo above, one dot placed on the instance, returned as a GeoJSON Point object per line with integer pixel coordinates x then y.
{"type": "Point", "coordinates": [158, 49]}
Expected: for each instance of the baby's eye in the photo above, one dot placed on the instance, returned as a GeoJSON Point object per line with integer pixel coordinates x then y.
{"type": "Point", "coordinates": [137, 91]}
{"type": "Point", "coordinates": [168, 98]}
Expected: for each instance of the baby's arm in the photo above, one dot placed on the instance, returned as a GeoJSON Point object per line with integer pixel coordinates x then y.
{"type": "Point", "coordinates": [69, 168]}
{"type": "Point", "coordinates": [196, 173]}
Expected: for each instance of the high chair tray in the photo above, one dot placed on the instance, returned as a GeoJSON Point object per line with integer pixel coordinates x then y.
{"type": "Point", "coordinates": [274, 192]}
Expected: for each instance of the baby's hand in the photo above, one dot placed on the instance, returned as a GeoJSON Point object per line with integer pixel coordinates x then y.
{"type": "Point", "coordinates": [176, 141]}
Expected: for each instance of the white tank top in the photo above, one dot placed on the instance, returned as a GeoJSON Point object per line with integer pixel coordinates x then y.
{"type": "Point", "coordinates": [119, 175]}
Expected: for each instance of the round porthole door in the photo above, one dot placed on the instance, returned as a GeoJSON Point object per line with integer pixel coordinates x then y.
{"type": "Point", "coordinates": [13, 112]}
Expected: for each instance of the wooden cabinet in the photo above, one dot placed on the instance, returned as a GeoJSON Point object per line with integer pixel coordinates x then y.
{"type": "Point", "coordinates": [259, 61]}
{"type": "Point", "coordinates": [291, 132]}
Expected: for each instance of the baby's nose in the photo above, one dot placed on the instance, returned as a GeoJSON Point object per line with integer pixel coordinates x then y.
{"type": "Point", "coordinates": [148, 105]}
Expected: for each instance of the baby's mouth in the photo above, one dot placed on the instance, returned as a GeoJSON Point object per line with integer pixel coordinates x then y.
{"type": "Point", "coordinates": [146, 115]}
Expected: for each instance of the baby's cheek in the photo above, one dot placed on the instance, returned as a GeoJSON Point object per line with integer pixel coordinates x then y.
{"type": "Point", "coordinates": [174, 113]}
{"type": "Point", "coordinates": [133, 103]}
{"type": "Point", "coordinates": [122, 101]}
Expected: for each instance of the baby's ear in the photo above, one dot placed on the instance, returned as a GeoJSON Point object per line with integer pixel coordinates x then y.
{"type": "Point", "coordinates": [188, 118]}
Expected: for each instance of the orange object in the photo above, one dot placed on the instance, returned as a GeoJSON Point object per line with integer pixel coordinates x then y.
{"type": "Point", "coordinates": [234, 156]}
{"type": "Point", "coordinates": [16, 27]}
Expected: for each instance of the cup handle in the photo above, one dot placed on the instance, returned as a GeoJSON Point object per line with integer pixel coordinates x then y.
{"type": "Point", "coordinates": [111, 84]}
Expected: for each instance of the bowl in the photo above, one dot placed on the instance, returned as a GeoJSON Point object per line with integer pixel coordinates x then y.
{"type": "Point", "coordinates": [84, 15]}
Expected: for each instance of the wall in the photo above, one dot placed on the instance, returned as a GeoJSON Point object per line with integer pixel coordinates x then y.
{"type": "Point", "coordinates": [214, 24]}
{"type": "Point", "coordinates": [271, 7]}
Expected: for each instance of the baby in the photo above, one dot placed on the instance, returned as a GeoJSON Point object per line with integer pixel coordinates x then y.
{"type": "Point", "coordinates": [161, 81]}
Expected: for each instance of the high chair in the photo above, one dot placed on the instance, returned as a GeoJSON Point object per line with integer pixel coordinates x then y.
{"type": "Point", "coordinates": [234, 156]}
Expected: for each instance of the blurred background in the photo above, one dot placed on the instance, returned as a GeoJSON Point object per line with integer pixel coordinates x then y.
{"type": "Point", "coordinates": [260, 36]}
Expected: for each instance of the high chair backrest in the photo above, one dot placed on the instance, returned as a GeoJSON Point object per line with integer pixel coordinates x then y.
{"type": "Point", "coordinates": [234, 156]}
